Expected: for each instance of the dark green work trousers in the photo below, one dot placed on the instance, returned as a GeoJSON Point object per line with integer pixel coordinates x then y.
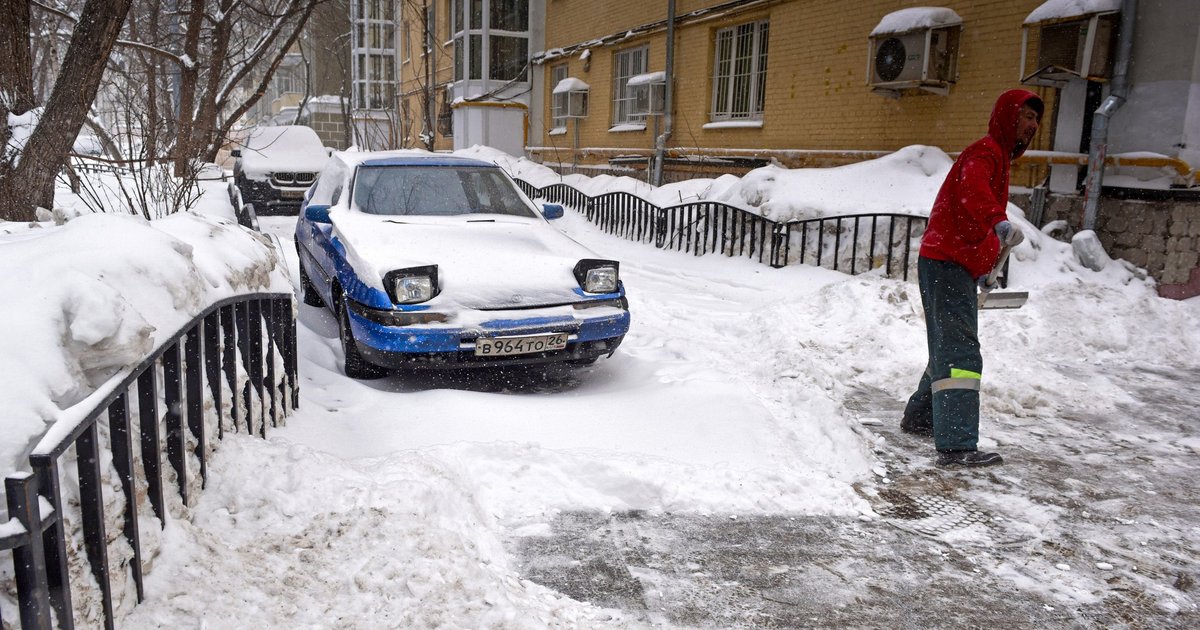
{"type": "Point", "coordinates": [948, 394]}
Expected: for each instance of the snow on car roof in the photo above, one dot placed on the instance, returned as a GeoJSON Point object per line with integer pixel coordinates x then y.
{"type": "Point", "coordinates": [293, 148]}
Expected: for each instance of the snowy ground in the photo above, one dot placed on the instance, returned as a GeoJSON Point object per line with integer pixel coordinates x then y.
{"type": "Point", "coordinates": [735, 464]}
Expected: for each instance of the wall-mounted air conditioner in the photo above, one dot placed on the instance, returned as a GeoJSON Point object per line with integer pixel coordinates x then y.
{"type": "Point", "coordinates": [648, 92]}
{"type": "Point", "coordinates": [570, 98]}
{"type": "Point", "coordinates": [914, 49]}
{"type": "Point", "coordinates": [1082, 47]}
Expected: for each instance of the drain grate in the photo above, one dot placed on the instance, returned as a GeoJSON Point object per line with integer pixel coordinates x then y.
{"type": "Point", "coordinates": [931, 515]}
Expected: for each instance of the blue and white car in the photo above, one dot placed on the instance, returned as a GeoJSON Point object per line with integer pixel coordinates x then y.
{"type": "Point", "coordinates": [431, 260]}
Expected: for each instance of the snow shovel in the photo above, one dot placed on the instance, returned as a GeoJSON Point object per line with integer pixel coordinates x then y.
{"type": "Point", "coordinates": [992, 300]}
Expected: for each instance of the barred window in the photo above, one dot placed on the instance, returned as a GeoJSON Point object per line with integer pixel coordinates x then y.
{"type": "Point", "coordinates": [627, 64]}
{"type": "Point", "coordinates": [740, 72]}
{"type": "Point", "coordinates": [558, 119]}
{"type": "Point", "coordinates": [374, 51]}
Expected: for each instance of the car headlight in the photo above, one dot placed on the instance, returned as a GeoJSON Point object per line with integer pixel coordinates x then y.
{"type": "Point", "coordinates": [597, 276]}
{"type": "Point", "coordinates": [412, 285]}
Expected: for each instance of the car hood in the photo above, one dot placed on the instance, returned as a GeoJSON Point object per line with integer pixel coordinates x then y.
{"type": "Point", "coordinates": [484, 261]}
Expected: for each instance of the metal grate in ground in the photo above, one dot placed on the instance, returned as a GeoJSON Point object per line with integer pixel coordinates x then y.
{"type": "Point", "coordinates": [932, 515]}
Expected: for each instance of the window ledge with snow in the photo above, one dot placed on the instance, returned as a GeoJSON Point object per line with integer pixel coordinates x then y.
{"type": "Point", "coordinates": [734, 124]}
{"type": "Point", "coordinates": [627, 127]}
{"type": "Point", "coordinates": [557, 131]}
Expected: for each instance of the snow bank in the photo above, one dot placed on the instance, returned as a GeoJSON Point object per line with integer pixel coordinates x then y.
{"type": "Point", "coordinates": [88, 298]}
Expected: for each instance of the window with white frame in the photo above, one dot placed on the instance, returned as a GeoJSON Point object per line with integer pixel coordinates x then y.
{"type": "Point", "coordinates": [626, 65]}
{"type": "Point", "coordinates": [558, 118]}
{"type": "Point", "coordinates": [740, 72]}
{"type": "Point", "coordinates": [491, 39]}
{"type": "Point", "coordinates": [374, 52]}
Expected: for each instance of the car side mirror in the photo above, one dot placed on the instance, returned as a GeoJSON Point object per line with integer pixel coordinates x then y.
{"type": "Point", "coordinates": [317, 213]}
{"type": "Point", "coordinates": [237, 153]}
{"type": "Point", "coordinates": [552, 211]}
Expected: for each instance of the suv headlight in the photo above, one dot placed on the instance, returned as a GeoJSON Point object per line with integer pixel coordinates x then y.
{"type": "Point", "coordinates": [412, 285]}
{"type": "Point", "coordinates": [597, 276]}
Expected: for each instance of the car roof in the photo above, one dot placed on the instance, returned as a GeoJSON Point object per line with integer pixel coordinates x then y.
{"type": "Point", "coordinates": [424, 160]}
{"type": "Point", "coordinates": [405, 157]}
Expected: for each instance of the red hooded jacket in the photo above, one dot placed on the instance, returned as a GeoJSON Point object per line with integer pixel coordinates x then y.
{"type": "Point", "coordinates": [974, 197]}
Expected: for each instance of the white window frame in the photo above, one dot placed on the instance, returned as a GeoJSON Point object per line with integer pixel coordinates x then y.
{"type": "Point", "coordinates": [468, 37]}
{"type": "Point", "coordinates": [558, 119]}
{"type": "Point", "coordinates": [374, 64]}
{"type": "Point", "coordinates": [627, 64]}
{"type": "Point", "coordinates": [739, 81]}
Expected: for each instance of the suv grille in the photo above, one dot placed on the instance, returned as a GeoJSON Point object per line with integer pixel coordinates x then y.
{"type": "Point", "coordinates": [293, 179]}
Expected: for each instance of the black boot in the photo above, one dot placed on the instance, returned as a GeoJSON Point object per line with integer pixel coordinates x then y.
{"type": "Point", "coordinates": [917, 423]}
{"type": "Point", "coordinates": [967, 459]}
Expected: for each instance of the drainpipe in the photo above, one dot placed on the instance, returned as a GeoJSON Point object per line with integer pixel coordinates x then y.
{"type": "Point", "coordinates": [660, 143]}
{"type": "Point", "coordinates": [1116, 98]}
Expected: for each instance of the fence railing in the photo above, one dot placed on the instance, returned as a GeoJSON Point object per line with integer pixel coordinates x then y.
{"type": "Point", "coordinates": [850, 243]}
{"type": "Point", "coordinates": [243, 348]}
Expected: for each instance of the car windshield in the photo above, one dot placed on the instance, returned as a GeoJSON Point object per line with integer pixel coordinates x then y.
{"type": "Point", "coordinates": [436, 191]}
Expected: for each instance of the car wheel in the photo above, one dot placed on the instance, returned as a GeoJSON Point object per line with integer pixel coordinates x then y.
{"type": "Point", "coordinates": [308, 292]}
{"type": "Point", "coordinates": [355, 365]}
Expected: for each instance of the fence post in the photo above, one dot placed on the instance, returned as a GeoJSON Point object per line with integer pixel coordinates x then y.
{"type": "Point", "coordinates": [91, 507]}
{"type": "Point", "coordinates": [122, 452]}
{"type": "Point", "coordinates": [29, 560]}
{"type": "Point", "coordinates": [151, 441]}
{"type": "Point", "coordinates": [193, 365]}
{"type": "Point", "coordinates": [54, 540]}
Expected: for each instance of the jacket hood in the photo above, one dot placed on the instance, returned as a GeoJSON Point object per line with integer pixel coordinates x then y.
{"type": "Point", "coordinates": [1003, 125]}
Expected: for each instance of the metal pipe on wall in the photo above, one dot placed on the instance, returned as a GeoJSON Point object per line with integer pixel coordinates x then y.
{"type": "Point", "coordinates": [1098, 150]}
{"type": "Point", "coordinates": [660, 143]}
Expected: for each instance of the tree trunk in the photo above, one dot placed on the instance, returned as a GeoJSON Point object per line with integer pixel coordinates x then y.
{"type": "Point", "coordinates": [189, 75]}
{"type": "Point", "coordinates": [16, 62]}
{"type": "Point", "coordinates": [31, 183]}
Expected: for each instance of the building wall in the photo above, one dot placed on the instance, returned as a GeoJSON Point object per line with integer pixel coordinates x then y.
{"type": "Point", "coordinates": [817, 95]}
{"type": "Point", "coordinates": [414, 87]}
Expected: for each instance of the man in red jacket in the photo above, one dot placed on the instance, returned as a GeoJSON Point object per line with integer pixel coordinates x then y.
{"type": "Point", "coordinates": [968, 226]}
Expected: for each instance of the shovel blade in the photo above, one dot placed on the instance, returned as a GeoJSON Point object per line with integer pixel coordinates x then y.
{"type": "Point", "coordinates": [995, 301]}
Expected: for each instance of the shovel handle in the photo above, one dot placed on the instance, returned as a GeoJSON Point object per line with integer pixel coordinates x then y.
{"type": "Point", "coordinates": [991, 277]}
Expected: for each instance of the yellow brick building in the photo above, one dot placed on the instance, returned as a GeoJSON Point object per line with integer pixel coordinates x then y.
{"type": "Point", "coordinates": [817, 106]}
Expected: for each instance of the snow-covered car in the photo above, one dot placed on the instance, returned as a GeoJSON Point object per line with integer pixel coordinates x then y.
{"type": "Point", "coordinates": [276, 165]}
{"type": "Point", "coordinates": [439, 261]}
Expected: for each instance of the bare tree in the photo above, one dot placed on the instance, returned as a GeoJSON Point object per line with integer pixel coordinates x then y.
{"type": "Point", "coordinates": [28, 182]}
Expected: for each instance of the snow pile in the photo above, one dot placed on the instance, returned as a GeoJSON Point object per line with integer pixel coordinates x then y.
{"type": "Point", "coordinates": [914, 18]}
{"type": "Point", "coordinates": [904, 182]}
{"type": "Point", "coordinates": [88, 298]}
{"type": "Point", "coordinates": [20, 127]}
{"type": "Point", "coordinates": [1066, 9]}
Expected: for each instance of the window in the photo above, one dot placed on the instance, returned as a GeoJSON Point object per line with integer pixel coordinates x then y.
{"type": "Point", "coordinates": [491, 49]}
{"type": "Point", "coordinates": [446, 116]}
{"type": "Point", "coordinates": [626, 65]}
{"type": "Point", "coordinates": [374, 52]}
{"type": "Point", "coordinates": [740, 72]}
{"type": "Point", "coordinates": [558, 118]}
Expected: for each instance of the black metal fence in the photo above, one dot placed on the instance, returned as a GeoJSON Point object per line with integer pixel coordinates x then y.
{"type": "Point", "coordinates": [851, 243]}
{"type": "Point", "coordinates": [237, 359]}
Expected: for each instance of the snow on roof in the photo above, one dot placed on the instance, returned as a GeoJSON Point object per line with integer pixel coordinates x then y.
{"type": "Point", "coordinates": [1064, 9]}
{"type": "Point", "coordinates": [571, 84]}
{"type": "Point", "coordinates": [914, 18]}
{"type": "Point", "coordinates": [649, 77]}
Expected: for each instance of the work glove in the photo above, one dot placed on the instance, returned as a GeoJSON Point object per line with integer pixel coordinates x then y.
{"type": "Point", "coordinates": [1010, 235]}
{"type": "Point", "coordinates": [984, 287]}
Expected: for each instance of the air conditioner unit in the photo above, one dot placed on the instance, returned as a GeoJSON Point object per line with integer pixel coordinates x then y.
{"type": "Point", "coordinates": [1080, 48]}
{"type": "Point", "coordinates": [648, 92]}
{"type": "Point", "coordinates": [570, 98]}
{"type": "Point", "coordinates": [925, 59]}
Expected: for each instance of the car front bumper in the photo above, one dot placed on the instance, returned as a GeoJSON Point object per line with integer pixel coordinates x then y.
{"type": "Point", "coordinates": [444, 346]}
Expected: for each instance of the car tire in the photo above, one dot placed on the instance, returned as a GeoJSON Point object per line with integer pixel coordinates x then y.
{"type": "Point", "coordinates": [308, 292]}
{"type": "Point", "coordinates": [355, 366]}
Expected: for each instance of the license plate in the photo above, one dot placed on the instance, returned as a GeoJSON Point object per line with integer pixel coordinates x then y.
{"type": "Point", "coordinates": [292, 194]}
{"type": "Point", "coordinates": [506, 346]}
